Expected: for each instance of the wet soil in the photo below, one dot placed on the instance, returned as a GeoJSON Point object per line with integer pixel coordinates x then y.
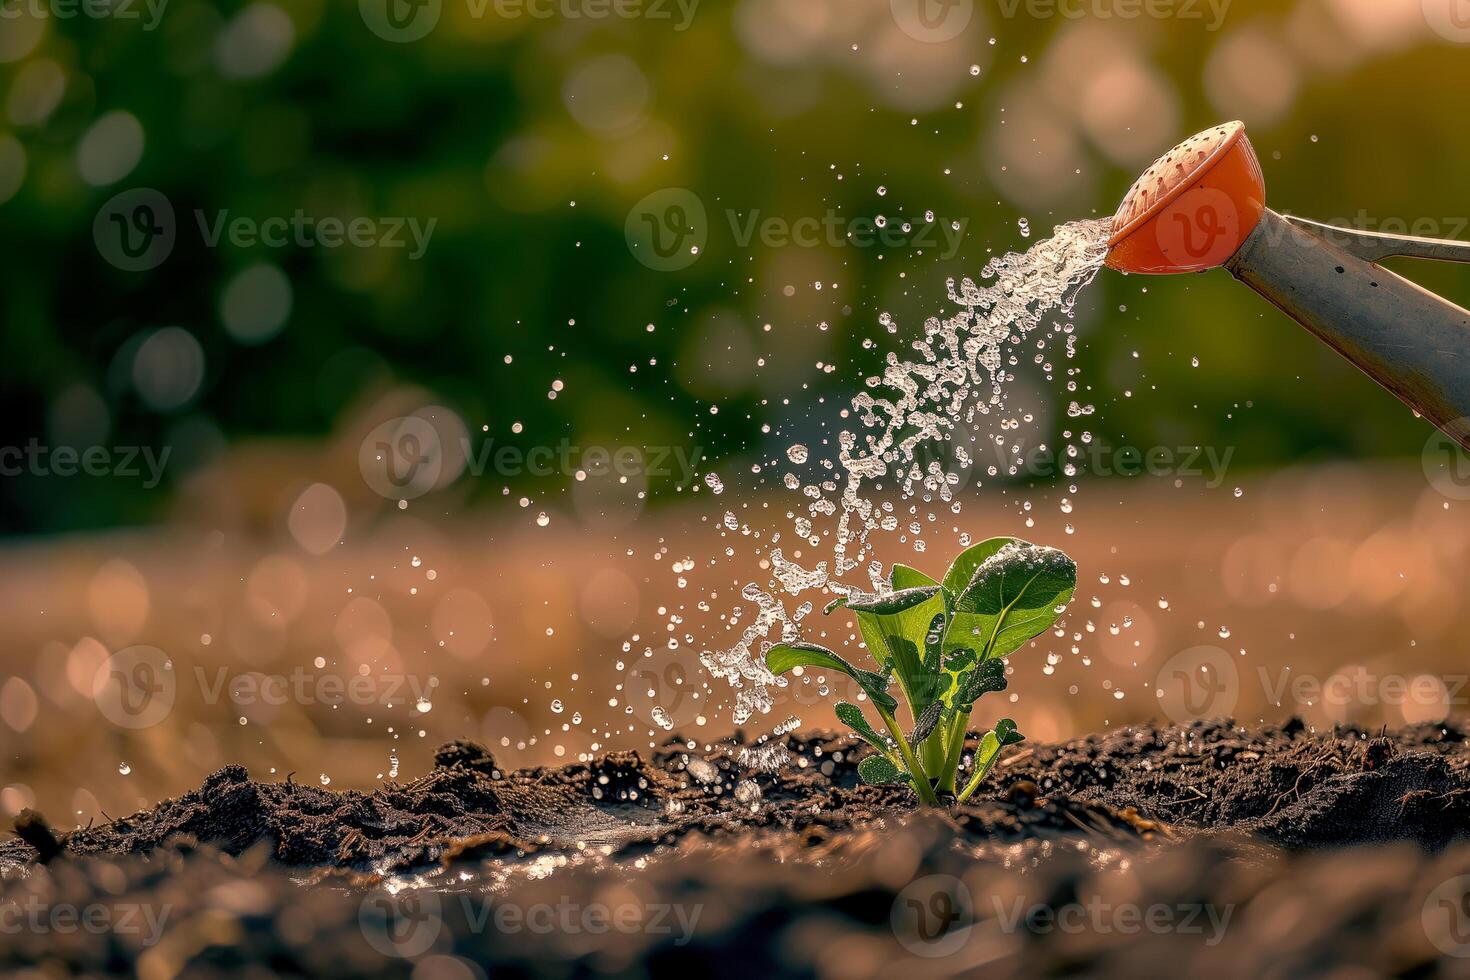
{"type": "Point", "coordinates": [1286, 785]}
{"type": "Point", "coordinates": [816, 875]}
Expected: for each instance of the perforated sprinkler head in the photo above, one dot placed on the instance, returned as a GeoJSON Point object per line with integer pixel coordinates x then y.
{"type": "Point", "coordinates": [1193, 209]}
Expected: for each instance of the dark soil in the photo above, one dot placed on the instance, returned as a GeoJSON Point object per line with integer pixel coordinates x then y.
{"type": "Point", "coordinates": [1286, 785]}
{"type": "Point", "coordinates": [818, 870]}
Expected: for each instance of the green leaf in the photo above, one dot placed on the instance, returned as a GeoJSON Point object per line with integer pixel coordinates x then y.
{"type": "Point", "coordinates": [852, 716]}
{"type": "Point", "coordinates": [1002, 735]}
{"type": "Point", "coordinates": [1013, 597]}
{"type": "Point", "coordinates": [1006, 732]}
{"type": "Point", "coordinates": [904, 577]}
{"type": "Point", "coordinates": [987, 678]}
{"type": "Point", "coordinates": [786, 656]}
{"type": "Point", "coordinates": [962, 569]}
{"type": "Point", "coordinates": [839, 601]}
{"type": "Point", "coordinates": [894, 602]}
{"type": "Point", "coordinates": [877, 770]}
{"type": "Point", "coordinates": [925, 725]}
{"type": "Point", "coordinates": [895, 627]}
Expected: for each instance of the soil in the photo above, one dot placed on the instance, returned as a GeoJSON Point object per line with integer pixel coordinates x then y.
{"type": "Point", "coordinates": [1211, 817]}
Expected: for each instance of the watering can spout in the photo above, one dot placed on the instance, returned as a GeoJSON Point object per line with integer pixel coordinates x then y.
{"type": "Point", "coordinates": [1203, 206]}
{"type": "Point", "coordinates": [1193, 208]}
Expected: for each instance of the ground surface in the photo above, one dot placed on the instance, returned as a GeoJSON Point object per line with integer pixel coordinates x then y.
{"type": "Point", "coordinates": [1347, 576]}
{"type": "Point", "coordinates": [1218, 836]}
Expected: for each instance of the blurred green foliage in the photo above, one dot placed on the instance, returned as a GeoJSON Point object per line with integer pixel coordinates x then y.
{"type": "Point", "coordinates": [529, 140]}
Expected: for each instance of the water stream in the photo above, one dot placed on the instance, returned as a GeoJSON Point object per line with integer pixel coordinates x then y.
{"type": "Point", "coordinates": [911, 439]}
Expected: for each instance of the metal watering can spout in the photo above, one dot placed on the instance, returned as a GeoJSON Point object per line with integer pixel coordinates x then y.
{"type": "Point", "coordinates": [1203, 206]}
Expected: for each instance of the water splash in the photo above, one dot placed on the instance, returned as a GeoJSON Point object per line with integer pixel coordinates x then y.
{"type": "Point", "coordinates": [915, 418]}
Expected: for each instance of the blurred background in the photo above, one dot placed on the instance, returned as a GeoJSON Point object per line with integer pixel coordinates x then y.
{"type": "Point", "coordinates": [559, 259]}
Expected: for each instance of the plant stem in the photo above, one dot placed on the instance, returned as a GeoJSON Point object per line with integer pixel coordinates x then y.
{"type": "Point", "coordinates": [916, 771]}
{"type": "Point", "coordinates": [985, 758]}
{"type": "Point", "coordinates": [931, 751]}
{"type": "Point", "coordinates": [954, 745]}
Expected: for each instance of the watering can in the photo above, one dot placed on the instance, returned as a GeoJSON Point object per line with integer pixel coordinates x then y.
{"type": "Point", "coordinates": [1203, 206]}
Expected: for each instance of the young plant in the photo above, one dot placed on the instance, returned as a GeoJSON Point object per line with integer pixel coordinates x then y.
{"type": "Point", "coordinates": [946, 644]}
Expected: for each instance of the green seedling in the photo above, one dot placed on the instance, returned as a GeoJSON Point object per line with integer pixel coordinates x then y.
{"type": "Point", "coordinates": [945, 643]}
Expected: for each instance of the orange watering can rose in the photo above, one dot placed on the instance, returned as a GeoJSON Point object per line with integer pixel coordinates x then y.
{"type": "Point", "coordinates": [1193, 208]}
{"type": "Point", "coordinates": [1203, 206]}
